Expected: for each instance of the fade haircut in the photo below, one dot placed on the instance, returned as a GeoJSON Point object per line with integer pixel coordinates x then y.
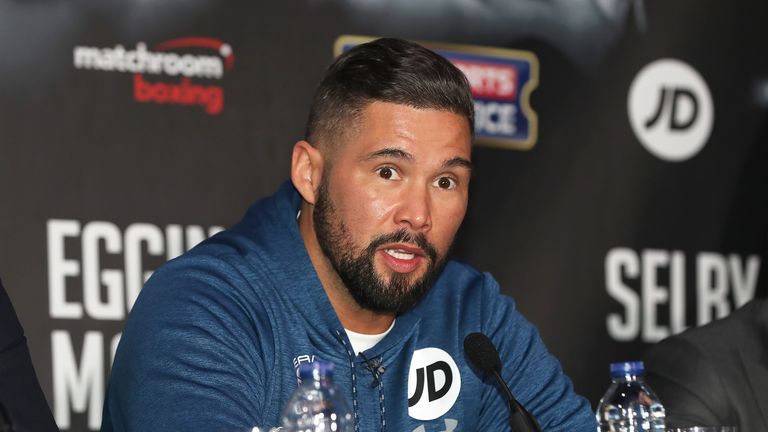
{"type": "Point", "coordinates": [384, 70]}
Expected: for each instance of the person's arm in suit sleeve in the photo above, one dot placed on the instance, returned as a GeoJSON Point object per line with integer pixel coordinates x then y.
{"type": "Point", "coordinates": [20, 392]}
{"type": "Point", "coordinates": [687, 384]}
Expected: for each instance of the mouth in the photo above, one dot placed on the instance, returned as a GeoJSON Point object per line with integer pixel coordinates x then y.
{"type": "Point", "coordinates": [400, 254]}
{"type": "Point", "coordinates": [402, 258]}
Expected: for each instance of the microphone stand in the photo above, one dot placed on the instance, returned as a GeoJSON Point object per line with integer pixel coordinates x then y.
{"type": "Point", "coordinates": [520, 420]}
{"type": "Point", "coordinates": [484, 356]}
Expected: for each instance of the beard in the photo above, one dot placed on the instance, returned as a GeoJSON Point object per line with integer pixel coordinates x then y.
{"type": "Point", "coordinates": [368, 288]}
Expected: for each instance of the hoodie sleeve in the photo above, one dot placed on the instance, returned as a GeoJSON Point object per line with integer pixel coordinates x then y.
{"type": "Point", "coordinates": [532, 373]}
{"type": "Point", "coordinates": [194, 354]}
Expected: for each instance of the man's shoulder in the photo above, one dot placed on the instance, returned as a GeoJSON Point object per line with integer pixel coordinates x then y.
{"type": "Point", "coordinates": [11, 333]}
{"type": "Point", "coordinates": [249, 252]}
{"type": "Point", "coordinates": [710, 350]}
{"type": "Point", "coordinates": [221, 257]}
{"type": "Point", "coordinates": [746, 322]}
{"type": "Point", "coordinates": [227, 267]}
{"type": "Point", "coordinates": [463, 279]}
{"type": "Point", "coordinates": [462, 273]}
{"type": "Point", "coordinates": [212, 291]}
{"type": "Point", "coordinates": [471, 293]}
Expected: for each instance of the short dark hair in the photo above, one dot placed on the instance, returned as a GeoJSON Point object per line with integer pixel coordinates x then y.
{"type": "Point", "coordinates": [386, 70]}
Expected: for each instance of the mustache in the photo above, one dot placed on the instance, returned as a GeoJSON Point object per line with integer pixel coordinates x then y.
{"type": "Point", "coordinates": [404, 236]}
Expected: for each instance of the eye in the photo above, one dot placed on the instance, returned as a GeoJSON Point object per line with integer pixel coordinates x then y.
{"type": "Point", "coordinates": [388, 173]}
{"type": "Point", "coordinates": [445, 183]}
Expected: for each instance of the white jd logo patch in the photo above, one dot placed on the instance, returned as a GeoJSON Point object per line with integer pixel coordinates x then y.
{"type": "Point", "coordinates": [434, 383]}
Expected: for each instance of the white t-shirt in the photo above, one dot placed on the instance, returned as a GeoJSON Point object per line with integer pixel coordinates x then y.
{"type": "Point", "coordinates": [362, 342]}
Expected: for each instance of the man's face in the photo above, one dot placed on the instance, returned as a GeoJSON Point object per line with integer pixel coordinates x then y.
{"type": "Point", "coordinates": [390, 204]}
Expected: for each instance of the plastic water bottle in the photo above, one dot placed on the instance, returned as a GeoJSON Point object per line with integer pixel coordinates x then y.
{"type": "Point", "coordinates": [317, 405]}
{"type": "Point", "coordinates": [629, 405]}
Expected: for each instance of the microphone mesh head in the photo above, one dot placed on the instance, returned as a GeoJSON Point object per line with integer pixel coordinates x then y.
{"type": "Point", "coordinates": [482, 353]}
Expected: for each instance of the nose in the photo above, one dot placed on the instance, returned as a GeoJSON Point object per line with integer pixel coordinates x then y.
{"type": "Point", "coordinates": [414, 211]}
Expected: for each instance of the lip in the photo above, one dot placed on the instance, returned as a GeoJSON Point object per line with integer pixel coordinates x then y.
{"type": "Point", "coordinates": [401, 265]}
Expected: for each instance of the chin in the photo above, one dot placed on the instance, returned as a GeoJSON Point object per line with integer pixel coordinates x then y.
{"type": "Point", "coordinates": [412, 277]}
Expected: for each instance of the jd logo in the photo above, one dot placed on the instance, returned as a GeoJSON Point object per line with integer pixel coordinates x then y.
{"type": "Point", "coordinates": [668, 101]}
{"type": "Point", "coordinates": [434, 383]}
{"type": "Point", "coordinates": [670, 109]}
{"type": "Point", "coordinates": [432, 392]}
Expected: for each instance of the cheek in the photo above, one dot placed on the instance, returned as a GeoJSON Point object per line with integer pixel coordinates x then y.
{"type": "Point", "coordinates": [368, 202]}
{"type": "Point", "coordinates": [363, 208]}
{"type": "Point", "coordinates": [375, 205]}
{"type": "Point", "coordinates": [446, 220]}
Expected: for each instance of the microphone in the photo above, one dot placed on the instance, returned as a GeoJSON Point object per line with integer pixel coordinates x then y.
{"type": "Point", "coordinates": [484, 356]}
{"type": "Point", "coordinates": [374, 367]}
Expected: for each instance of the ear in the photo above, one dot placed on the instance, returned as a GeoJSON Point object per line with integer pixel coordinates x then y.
{"type": "Point", "coordinates": [306, 170]}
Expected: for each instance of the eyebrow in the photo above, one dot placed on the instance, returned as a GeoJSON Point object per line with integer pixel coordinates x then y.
{"type": "Point", "coordinates": [390, 152]}
{"type": "Point", "coordinates": [404, 155]}
{"type": "Point", "coordinates": [458, 162]}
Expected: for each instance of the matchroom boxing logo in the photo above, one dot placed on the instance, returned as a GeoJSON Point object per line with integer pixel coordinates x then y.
{"type": "Point", "coordinates": [670, 109]}
{"type": "Point", "coordinates": [182, 59]}
{"type": "Point", "coordinates": [502, 81]}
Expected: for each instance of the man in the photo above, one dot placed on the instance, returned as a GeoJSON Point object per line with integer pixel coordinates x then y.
{"type": "Point", "coordinates": [22, 404]}
{"type": "Point", "coordinates": [345, 263]}
{"type": "Point", "coordinates": [715, 375]}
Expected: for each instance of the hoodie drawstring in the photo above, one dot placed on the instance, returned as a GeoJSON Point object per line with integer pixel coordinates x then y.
{"type": "Point", "coordinates": [375, 367]}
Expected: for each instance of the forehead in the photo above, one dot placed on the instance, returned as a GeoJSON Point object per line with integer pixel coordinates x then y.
{"type": "Point", "coordinates": [384, 124]}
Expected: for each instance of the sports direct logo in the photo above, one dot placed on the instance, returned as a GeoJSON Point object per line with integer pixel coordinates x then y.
{"type": "Point", "coordinates": [182, 59]}
{"type": "Point", "coordinates": [502, 81]}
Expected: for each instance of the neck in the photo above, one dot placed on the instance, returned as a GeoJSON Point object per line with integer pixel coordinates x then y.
{"type": "Point", "coordinates": [352, 315]}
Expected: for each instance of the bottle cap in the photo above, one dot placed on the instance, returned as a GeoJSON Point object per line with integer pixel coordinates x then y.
{"type": "Point", "coordinates": [316, 370]}
{"type": "Point", "coordinates": [627, 368]}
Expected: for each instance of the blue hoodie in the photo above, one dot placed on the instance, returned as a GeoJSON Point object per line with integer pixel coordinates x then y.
{"type": "Point", "coordinates": [216, 335]}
